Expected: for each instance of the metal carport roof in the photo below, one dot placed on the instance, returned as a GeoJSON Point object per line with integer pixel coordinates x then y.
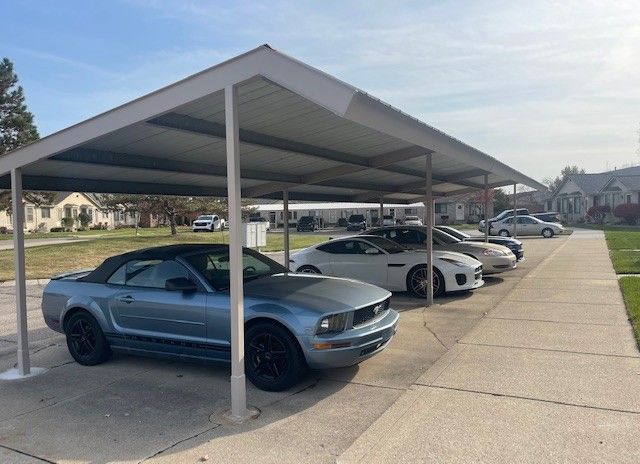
{"type": "Point", "coordinates": [261, 124]}
{"type": "Point", "coordinates": [301, 129]}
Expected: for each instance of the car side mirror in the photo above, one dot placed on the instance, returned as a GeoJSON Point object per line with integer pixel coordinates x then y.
{"type": "Point", "coordinates": [371, 251]}
{"type": "Point", "coordinates": [180, 284]}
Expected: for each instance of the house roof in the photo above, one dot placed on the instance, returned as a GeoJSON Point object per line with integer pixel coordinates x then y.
{"type": "Point", "coordinates": [632, 182]}
{"type": "Point", "coordinates": [593, 183]}
{"type": "Point", "coordinates": [300, 129]}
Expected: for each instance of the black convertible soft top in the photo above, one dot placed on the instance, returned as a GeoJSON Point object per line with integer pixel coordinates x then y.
{"type": "Point", "coordinates": [110, 265]}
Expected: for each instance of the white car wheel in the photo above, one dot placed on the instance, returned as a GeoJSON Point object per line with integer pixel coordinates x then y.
{"type": "Point", "coordinates": [547, 233]}
{"type": "Point", "coordinates": [504, 233]}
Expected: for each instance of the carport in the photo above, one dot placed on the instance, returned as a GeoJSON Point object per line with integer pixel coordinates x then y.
{"type": "Point", "coordinates": [261, 125]}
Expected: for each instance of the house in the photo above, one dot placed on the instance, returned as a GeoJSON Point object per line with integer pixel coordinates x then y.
{"type": "Point", "coordinates": [42, 218]}
{"type": "Point", "coordinates": [455, 209]}
{"type": "Point", "coordinates": [579, 192]}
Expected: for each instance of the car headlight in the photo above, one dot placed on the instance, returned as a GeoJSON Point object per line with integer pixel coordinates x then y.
{"type": "Point", "coordinates": [490, 252]}
{"type": "Point", "coordinates": [454, 262]}
{"type": "Point", "coordinates": [333, 323]}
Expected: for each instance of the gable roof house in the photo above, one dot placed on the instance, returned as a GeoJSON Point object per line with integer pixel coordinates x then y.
{"type": "Point", "coordinates": [43, 218]}
{"type": "Point", "coordinates": [579, 192]}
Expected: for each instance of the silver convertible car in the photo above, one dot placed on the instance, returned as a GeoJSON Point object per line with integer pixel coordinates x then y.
{"type": "Point", "coordinates": [174, 301]}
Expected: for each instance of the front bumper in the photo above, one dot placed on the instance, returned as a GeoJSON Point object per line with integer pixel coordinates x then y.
{"type": "Point", "coordinates": [497, 264]}
{"type": "Point", "coordinates": [356, 227]}
{"type": "Point", "coordinates": [202, 227]}
{"type": "Point", "coordinates": [364, 342]}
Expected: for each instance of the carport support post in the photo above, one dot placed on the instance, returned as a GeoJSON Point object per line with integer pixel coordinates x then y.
{"type": "Point", "coordinates": [429, 218]}
{"type": "Point", "coordinates": [486, 207]}
{"type": "Point", "coordinates": [285, 225]}
{"type": "Point", "coordinates": [239, 410]}
{"type": "Point", "coordinates": [24, 364]}
{"type": "Point", "coordinates": [515, 212]}
{"type": "Point", "coordinates": [381, 213]}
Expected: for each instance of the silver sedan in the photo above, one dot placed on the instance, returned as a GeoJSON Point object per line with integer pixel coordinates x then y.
{"type": "Point", "coordinates": [494, 258]}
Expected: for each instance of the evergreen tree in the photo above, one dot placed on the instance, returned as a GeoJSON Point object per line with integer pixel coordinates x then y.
{"type": "Point", "coordinates": [16, 122]}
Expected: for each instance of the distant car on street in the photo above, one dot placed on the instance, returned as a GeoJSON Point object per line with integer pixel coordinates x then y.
{"type": "Point", "coordinates": [516, 246]}
{"type": "Point", "coordinates": [208, 223]}
{"type": "Point", "coordinates": [388, 220]}
{"type": "Point", "coordinates": [502, 215]}
{"type": "Point", "coordinates": [412, 221]}
{"type": "Point", "coordinates": [174, 301]}
{"type": "Point", "coordinates": [526, 225]}
{"type": "Point", "coordinates": [357, 222]}
{"type": "Point", "coordinates": [307, 223]}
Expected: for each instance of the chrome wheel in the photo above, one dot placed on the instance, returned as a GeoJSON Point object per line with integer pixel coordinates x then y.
{"type": "Point", "coordinates": [504, 233]}
{"type": "Point", "coordinates": [547, 233]}
{"type": "Point", "coordinates": [308, 270]}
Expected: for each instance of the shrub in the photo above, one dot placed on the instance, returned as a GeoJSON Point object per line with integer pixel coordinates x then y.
{"type": "Point", "coordinates": [629, 212]}
{"type": "Point", "coordinates": [84, 219]}
{"type": "Point", "coordinates": [57, 229]}
{"type": "Point", "coordinates": [598, 213]}
{"type": "Point", "coordinates": [68, 222]}
{"type": "Point", "coordinates": [3, 230]}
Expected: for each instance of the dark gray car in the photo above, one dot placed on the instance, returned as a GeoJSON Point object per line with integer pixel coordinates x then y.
{"type": "Point", "coordinates": [174, 301]}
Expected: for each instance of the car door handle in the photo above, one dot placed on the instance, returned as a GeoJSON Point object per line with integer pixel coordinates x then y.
{"type": "Point", "coordinates": [127, 299]}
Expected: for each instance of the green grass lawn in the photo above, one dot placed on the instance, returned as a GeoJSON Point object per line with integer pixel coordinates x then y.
{"type": "Point", "coordinates": [623, 239]}
{"type": "Point", "coordinates": [630, 287]}
{"type": "Point", "coordinates": [49, 260]}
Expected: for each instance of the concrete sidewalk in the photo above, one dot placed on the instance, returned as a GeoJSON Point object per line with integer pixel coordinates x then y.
{"type": "Point", "coordinates": [551, 374]}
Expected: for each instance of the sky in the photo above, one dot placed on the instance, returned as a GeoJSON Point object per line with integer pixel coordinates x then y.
{"type": "Point", "coordinates": [537, 84]}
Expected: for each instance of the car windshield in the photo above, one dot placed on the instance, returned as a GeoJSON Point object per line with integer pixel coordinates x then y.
{"type": "Point", "coordinates": [214, 266]}
{"type": "Point", "coordinates": [386, 216]}
{"type": "Point", "coordinates": [356, 218]}
{"type": "Point", "coordinates": [411, 218]}
{"type": "Point", "coordinates": [305, 219]}
{"type": "Point", "coordinates": [456, 233]}
{"type": "Point", "coordinates": [204, 218]}
{"type": "Point", "coordinates": [442, 238]}
{"type": "Point", "coordinates": [387, 245]}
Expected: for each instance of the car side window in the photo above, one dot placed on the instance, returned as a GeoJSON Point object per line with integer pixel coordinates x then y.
{"type": "Point", "coordinates": [409, 237]}
{"type": "Point", "coordinates": [333, 248]}
{"type": "Point", "coordinates": [508, 220]}
{"type": "Point", "coordinates": [147, 273]}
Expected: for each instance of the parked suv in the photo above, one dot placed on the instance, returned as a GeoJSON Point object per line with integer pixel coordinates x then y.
{"type": "Point", "coordinates": [357, 222]}
{"type": "Point", "coordinates": [503, 215]}
{"type": "Point", "coordinates": [307, 223]}
{"type": "Point", "coordinates": [207, 223]}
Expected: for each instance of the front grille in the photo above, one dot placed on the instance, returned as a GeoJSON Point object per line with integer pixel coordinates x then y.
{"type": "Point", "coordinates": [368, 313]}
{"type": "Point", "coordinates": [478, 273]}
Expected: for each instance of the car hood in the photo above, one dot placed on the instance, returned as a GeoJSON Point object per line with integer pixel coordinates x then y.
{"type": "Point", "coordinates": [457, 256]}
{"type": "Point", "coordinates": [315, 292]}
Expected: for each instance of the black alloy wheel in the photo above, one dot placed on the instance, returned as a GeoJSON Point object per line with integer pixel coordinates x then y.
{"type": "Point", "coordinates": [272, 357]}
{"type": "Point", "coordinates": [85, 340]}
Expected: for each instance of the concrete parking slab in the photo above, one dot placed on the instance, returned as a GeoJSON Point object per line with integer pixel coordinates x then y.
{"type": "Point", "coordinates": [435, 425]}
{"type": "Point", "coordinates": [578, 313]}
{"type": "Point", "coordinates": [571, 378]}
{"type": "Point", "coordinates": [579, 338]}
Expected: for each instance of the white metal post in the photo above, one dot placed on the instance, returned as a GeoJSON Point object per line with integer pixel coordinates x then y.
{"type": "Point", "coordinates": [429, 224]}
{"type": "Point", "coordinates": [285, 225]}
{"type": "Point", "coordinates": [515, 212]}
{"type": "Point", "coordinates": [486, 207]}
{"type": "Point", "coordinates": [381, 213]}
{"type": "Point", "coordinates": [24, 364]}
{"type": "Point", "coordinates": [239, 410]}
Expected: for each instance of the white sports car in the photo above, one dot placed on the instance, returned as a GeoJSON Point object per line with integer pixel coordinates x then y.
{"type": "Point", "coordinates": [384, 263]}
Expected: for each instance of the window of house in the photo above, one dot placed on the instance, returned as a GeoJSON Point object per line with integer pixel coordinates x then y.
{"type": "Point", "coordinates": [45, 213]}
{"type": "Point", "coordinates": [628, 198]}
{"type": "Point", "coordinates": [441, 208]}
{"type": "Point", "coordinates": [410, 211]}
{"type": "Point", "coordinates": [105, 214]}
{"type": "Point", "coordinates": [29, 213]}
{"type": "Point", "coordinates": [67, 211]}
{"type": "Point", "coordinates": [577, 205]}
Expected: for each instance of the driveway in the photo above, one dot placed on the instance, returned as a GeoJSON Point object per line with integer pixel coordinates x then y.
{"type": "Point", "coordinates": [154, 410]}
